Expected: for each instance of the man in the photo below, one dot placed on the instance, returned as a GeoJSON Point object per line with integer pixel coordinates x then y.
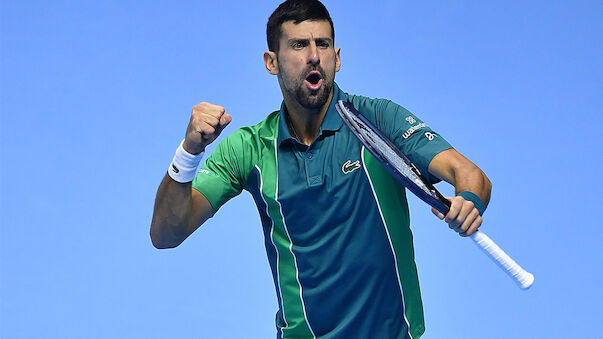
{"type": "Point", "coordinates": [336, 224]}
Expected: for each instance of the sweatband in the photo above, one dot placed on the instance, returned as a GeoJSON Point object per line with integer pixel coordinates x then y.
{"type": "Point", "coordinates": [477, 202]}
{"type": "Point", "coordinates": [184, 166]}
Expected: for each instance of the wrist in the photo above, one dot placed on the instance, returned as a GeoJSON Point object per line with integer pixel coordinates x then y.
{"type": "Point", "coordinates": [477, 202]}
{"type": "Point", "coordinates": [192, 150]}
{"type": "Point", "coordinates": [184, 166]}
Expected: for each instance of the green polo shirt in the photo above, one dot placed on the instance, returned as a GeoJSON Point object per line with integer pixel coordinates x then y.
{"type": "Point", "coordinates": [335, 222]}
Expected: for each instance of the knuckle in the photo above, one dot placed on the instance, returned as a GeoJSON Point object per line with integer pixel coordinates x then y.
{"type": "Point", "coordinates": [197, 124]}
{"type": "Point", "coordinates": [202, 107]}
{"type": "Point", "coordinates": [196, 112]}
{"type": "Point", "coordinates": [204, 118]}
{"type": "Point", "coordinates": [217, 113]}
{"type": "Point", "coordinates": [210, 130]}
{"type": "Point", "coordinates": [211, 120]}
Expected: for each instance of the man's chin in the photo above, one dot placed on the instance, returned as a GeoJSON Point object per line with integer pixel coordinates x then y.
{"type": "Point", "coordinates": [314, 99]}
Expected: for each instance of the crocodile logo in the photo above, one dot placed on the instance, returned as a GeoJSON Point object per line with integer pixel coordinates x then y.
{"type": "Point", "coordinates": [350, 166]}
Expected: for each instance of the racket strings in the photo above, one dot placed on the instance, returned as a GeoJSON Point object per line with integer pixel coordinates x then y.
{"type": "Point", "coordinates": [387, 152]}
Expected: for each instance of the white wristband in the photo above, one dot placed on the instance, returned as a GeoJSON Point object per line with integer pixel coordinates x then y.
{"type": "Point", "coordinates": [184, 166]}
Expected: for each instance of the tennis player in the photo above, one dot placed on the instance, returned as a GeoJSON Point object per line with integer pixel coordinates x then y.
{"type": "Point", "coordinates": [336, 224]}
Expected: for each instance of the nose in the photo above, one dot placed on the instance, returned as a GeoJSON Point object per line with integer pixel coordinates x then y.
{"type": "Point", "coordinates": [313, 58]}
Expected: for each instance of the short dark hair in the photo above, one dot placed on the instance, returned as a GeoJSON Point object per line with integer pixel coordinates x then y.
{"type": "Point", "coordinates": [296, 11]}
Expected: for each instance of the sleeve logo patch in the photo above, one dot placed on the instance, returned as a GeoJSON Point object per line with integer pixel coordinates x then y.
{"type": "Point", "coordinates": [350, 166]}
{"type": "Point", "coordinates": [413, 129]}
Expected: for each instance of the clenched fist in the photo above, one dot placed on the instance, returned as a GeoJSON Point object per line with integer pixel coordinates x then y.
{"type": "Point", "coordinates": [206, 124]}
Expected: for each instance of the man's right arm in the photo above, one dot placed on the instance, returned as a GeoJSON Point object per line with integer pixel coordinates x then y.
{"type": "Point", "coordinates": [180, 209]}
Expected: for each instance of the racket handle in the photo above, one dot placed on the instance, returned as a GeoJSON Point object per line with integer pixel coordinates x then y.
{"type": "Point", "coordinates": [522, 277]}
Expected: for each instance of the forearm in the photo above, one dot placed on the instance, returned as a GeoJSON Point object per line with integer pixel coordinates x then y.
{"type": "Point", "coordinates": [171, 222]}
{"type": "Point", "coordinates": [470, 178]}
{"type": "Point", "coordinates": [464, 175]}
{"type": "Point", "coordinates": [464, 216]}
{"type": "Point", "coordinates": [179, 210]}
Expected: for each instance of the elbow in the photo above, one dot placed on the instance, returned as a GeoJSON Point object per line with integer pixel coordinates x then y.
{"type": "Point", "coordinates": [160, 241]}
{"type": "Point", "coordinates": [487, 183]}
{"type": "Point", "coordinates": [161, 245]}
{"type": "Point", "coordinates": [487, 188]}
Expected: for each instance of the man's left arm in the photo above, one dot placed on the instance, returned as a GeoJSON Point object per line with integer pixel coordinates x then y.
{"type": "Point", "coordinates": [470, 182]}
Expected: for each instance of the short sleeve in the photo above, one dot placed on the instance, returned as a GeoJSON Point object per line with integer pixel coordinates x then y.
{"type": "Point", "coordinates": [413, 136]}
{"type": "Point", "coordinates": [220, 177]}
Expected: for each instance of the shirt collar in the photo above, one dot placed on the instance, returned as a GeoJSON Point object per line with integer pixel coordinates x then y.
{"type": "Point", "coordinates": [331, 122]}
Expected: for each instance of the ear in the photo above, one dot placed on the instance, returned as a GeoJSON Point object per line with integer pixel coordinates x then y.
{"type": "Point", "coordinates": [337, 59]}
{"type": "Point", "coordinates": [270, 62]}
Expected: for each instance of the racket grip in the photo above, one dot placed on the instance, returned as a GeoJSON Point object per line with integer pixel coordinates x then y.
{"type": "Point", "coordinates": [522, 277]}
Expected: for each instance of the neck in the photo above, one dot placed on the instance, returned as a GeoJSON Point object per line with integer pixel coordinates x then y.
{"type": "Point", "coordinates": [304, 123]}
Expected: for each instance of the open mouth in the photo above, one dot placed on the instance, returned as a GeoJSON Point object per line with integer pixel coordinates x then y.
{"type": "Point", "coordinates": [314, 80]}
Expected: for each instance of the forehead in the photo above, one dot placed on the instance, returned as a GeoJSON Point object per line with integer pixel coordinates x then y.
{"type": "Point", "coordinates": [306, 30]}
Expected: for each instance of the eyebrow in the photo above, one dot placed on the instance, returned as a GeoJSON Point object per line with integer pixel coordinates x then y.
{"type": "Point", "coordinates": [306, 40]}
{"type": "Point", "coordinates": [329, 40]}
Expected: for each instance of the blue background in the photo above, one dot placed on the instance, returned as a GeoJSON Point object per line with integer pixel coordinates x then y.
{"type": "Point", "coordinates": [96, 96]}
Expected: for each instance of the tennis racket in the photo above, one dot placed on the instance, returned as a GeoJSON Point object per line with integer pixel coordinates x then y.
{"type": "Point", "coordinates": [409, 175]}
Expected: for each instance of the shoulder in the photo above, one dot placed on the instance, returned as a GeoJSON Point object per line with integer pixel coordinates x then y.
{"type": "Point", "coordinates": [244, 148]}
{"type": "Point", "coordinates": [376, 104]}
{"type": "Point", "coordinates": [376, 107]}
{"type": "Point", "coordinates": [248, 135]}
{"type": "Point", "coordinates": [364, 101]}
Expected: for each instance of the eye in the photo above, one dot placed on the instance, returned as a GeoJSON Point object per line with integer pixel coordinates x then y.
{"type": "Point", "coordinates": [298, 44]}
{"type": "Point", "coordinates": [322, 43]}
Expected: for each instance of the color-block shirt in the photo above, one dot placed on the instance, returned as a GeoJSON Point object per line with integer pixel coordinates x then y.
{"type": "Point", "coordinates": [335, 222]}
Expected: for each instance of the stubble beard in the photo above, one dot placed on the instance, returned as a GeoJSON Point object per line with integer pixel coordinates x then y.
{"type": "Point", "coordinates": [302, 94]}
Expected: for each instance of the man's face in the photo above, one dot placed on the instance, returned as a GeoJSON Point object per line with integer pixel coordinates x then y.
{"type": "Point", "coordinates": [307, 62]}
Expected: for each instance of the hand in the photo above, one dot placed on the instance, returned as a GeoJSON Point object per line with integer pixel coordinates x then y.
{"type": "Point", "coordinates": [463, 217]}
{"type": "Point", "coordinates": [206, 124]}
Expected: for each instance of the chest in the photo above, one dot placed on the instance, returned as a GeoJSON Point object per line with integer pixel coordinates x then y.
{"type": "Point", "coordinates": [332, 164]}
